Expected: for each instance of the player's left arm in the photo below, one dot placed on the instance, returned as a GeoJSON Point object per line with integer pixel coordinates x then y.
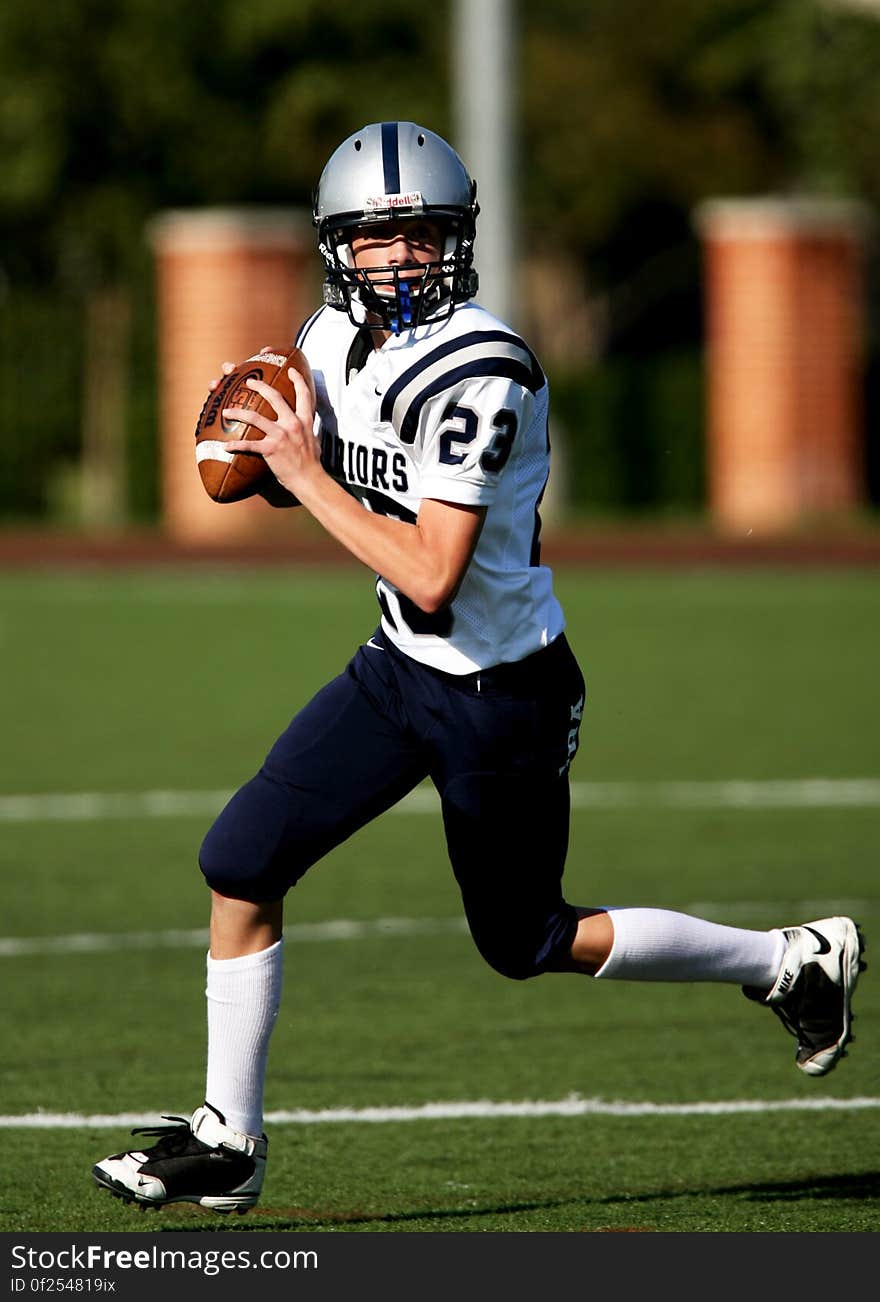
{"type": "Point", "coordinates": [426, 560]}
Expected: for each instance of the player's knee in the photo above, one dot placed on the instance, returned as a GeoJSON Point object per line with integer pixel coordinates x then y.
{"type": "Point", "coordinates": [224, 869]}
{"type": "Point", "coordinates": [516, 962]}
{"type": "Point", "coordinates": [240, 878]}
{"type": "Point", "coordinates": [262, 842]}
{"type": "Point", "coordinates": [513, 971]}
{"type": "Point", "coordinates": [522, 944]}
{"type": "Point", "coordinates": [240, 855]}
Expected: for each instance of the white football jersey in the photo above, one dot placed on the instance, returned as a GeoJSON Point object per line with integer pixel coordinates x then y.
{"type": "Point", "coordinates": [455, 411]}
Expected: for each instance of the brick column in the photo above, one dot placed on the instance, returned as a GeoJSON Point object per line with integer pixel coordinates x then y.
{"type": "Point", "coordinates": [783, 286]}
{"type": "Point", "coordinates": [228, 282]}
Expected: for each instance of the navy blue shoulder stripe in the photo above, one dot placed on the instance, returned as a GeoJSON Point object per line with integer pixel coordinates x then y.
{"type": "Point", "coordinates": [475, 337]}
{"type": "Point", "coordinates": [306, 327]}
{"type": "Point", "coordinates": [536, 379]}
{"type": "Point", "coordinates": [507, 368]}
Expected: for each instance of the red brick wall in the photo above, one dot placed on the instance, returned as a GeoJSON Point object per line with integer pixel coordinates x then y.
{"type": "Point", "coordinates": [229, 281]}
{"type": "Point", "coordinates": [783, 286]}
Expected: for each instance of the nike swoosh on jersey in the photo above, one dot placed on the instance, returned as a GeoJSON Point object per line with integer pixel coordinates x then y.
{"type": "Point", "coordinates": [374, 645]}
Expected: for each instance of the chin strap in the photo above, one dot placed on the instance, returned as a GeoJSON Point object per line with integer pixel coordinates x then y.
{"type": "Point", "coordinates": [404, 298]}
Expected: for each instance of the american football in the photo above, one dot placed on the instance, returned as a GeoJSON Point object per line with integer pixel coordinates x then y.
{"type": "Point", "coordinates": [232, 477]}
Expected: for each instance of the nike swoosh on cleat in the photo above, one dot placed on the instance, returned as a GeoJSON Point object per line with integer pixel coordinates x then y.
{"type": "Point", "coordinates": [824, 946]}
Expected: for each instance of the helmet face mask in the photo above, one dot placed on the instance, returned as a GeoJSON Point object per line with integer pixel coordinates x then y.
{"type": "Point", "coordinates": [385, 173]}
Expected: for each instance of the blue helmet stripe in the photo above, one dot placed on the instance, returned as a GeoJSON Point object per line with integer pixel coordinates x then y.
{"type": "Point", "coordinates": [390, 158]}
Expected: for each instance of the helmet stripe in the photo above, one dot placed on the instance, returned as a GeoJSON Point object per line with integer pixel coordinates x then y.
{"type": "Point", "coordinates": [390, 158]}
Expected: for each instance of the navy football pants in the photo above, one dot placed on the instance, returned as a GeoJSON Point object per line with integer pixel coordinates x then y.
{"type": "Point", "coordinates": [497, 747]}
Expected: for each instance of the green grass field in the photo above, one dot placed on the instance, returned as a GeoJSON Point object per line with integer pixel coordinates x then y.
{"type": "Point", "coordinates": [120, 684]}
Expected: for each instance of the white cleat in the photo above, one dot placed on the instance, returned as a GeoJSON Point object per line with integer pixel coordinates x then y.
{"type": "Point", "coordinates": [812, 995]}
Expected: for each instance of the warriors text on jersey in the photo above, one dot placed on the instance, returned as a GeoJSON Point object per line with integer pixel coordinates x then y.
{"type": "Point", "coordinates": [455, 411]}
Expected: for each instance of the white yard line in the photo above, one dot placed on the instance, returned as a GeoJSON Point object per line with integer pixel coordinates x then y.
{"type": "Point", "coordinates": [92, 942]}
{"type": "Point", "coordinates": [100, 806]}
{"type": "Point", "coordinates": [477, 1110]}
{"type": "Point", "coordinates": [332, 929]}
{"type": "Point", "coordinates": [801, 793]}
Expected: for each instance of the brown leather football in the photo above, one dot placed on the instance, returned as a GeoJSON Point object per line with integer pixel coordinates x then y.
{"type": "Point", "coordinates": [232, 477]}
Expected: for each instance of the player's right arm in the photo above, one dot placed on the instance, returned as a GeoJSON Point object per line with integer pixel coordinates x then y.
{"type": "Point", "coordinates": [426, 560]}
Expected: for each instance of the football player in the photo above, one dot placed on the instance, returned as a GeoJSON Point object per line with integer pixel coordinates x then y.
{"type": "Point", "coordinates": [426, 455]}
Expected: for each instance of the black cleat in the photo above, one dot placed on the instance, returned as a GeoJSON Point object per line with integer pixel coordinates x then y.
{"type": "Point", "coordinates": [202, 1161]}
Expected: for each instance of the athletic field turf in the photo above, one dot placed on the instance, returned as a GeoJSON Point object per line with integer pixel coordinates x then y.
{"type": "Point", "coordinates": [730, 766]}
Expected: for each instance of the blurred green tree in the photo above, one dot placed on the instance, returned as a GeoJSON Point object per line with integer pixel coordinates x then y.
{"type": "Point", "coordinates": [629, 114]}
{"type": "Point", "coordinates": [112, 111]}
{"type": "Point", "coordinates": [109, 111]}
{"type": "Point", "coordinates": [633, 114]}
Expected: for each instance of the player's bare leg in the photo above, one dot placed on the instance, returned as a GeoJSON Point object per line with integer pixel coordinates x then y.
{"type": "Point", "coordinates": [240, 927]}
{"type": "Point", "coordinates": [592, 943]}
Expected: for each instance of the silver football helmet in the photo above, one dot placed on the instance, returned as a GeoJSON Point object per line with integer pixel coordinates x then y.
{"type": "Point", "coordinates": [387, 171]}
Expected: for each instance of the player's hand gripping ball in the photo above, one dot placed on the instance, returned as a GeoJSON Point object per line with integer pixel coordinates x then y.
{"type": "Point", "coordinates": [232, 477]}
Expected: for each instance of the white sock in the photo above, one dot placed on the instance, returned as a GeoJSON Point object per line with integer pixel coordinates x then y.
{"type": "Point", "coordinates": [659, 945]}
{"type": "Point", "coordinates": [243, 995]}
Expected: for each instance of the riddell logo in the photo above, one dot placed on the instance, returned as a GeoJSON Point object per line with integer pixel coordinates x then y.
{"type": "Point", "coordinates": [411, 199]}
